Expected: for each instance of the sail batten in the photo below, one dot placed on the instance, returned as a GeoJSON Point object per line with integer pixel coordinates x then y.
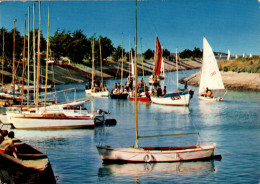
{"type": "Point", "coordinates": [210, 75]}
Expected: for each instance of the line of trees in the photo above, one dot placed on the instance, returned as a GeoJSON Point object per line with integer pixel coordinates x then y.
{"type": "Point", "coordinates": [76, 46]}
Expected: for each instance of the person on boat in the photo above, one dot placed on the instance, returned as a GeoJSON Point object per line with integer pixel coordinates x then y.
{"type": "Point", "coordinates": [164, 90]}
{"type": "Point", "coordinates": [209, 94]}
{"type": "Point", "coordinates": [159, 91]}
{"type": "Point", "coordinates": [6, 144]}
{"type": "Point", "coordinates": [147, 94]}
{"type": "Point", "coordinates": [115, 87]}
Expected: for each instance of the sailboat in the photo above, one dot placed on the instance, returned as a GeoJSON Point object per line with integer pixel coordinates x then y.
{"type": "Point", "coordinates": [152, 154]}
{"type": "Point", "coordinates": [210, 78]}
{"type": "Point", "coordinates": [181, 97]}
{"type": "Point", "coordinates": [154, 78]}
{"type": "Point", "coordinates": [96, 90]}
{"type": "Point", "coordinates": [120, 92]}
{"type": "Point", "coordinates": [47, 118]}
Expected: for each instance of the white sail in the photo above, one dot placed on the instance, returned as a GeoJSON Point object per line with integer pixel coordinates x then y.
{"type": "Point", "coordinates": [228, 56]}
{"type": "Point", "coordinates": [210, 75]}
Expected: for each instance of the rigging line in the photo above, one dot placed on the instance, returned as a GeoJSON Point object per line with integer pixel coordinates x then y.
{"type": "Point", "coordinates": [199, 139]}
{"type": "Point", "coordinates": [168, 135]}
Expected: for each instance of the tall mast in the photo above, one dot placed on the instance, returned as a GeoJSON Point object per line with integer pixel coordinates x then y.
{"type": "Point", "coordinates": [177, 76]}
{"type": "Point", "coordinates": [3, 57]}
{"type": "Point", "coordinates": [142, 60]}
{"type": "Point", "coordinates": [28, 58]}
{"type": "Point", "coordinates": [24, 42]}
{"type": "Point", "coordinates": [122, 66]}
{"type": "Point", "coordinates": [34, 56]}
{"type": "Point", "coordinates": [101, 62]}
{"type": "Point", "coordinates": [136, 85]}
{"type": "Point", "coordinates": [38, 58]}
{"type": "Point", "coordinates": [47, 59]}
{"type": "Point", "coordinates": [14, 59]}
{"type": "Point", "coordinates": [93, 60]}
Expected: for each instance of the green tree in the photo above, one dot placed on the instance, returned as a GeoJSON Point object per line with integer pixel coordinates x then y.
{"type": "Point", "coordinates": [148, 54]}
{"type": "Point", "coordinates": [197, 53]}
{"type": "Point", "coordinates": [117, 54]}
{"type": "Point", "coordinates": [166, 53]}
{"type": "Point", "coordinates": [186, 54]}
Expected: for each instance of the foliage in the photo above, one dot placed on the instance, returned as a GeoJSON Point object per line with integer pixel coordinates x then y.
{"type": "Point", "coordinates": [166, 53]}
{"type": "Point", "coordinates": [250, 65]}
{"type": "Point", "coordinates": [117, 54]}
{"type": "Point", "coordinates": [187, 53]}
{"type": "Point", "coordinates": [148, 54]}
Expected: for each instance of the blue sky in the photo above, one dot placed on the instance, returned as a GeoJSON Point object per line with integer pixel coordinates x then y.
{"type": "Point", "coordinates": [227, 24]}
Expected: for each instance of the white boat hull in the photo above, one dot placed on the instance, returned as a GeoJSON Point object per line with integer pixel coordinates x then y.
{"type": "Point", "coordinates": [38, 122]}
{"type": "Point", "coordinates": [210, 98]}
{"type": "Point", "coordinates": [97, 94]}
{"type": "Point", "coordinates": [131, 154]}
{"type": "Point", "coordinates": [181, 100]}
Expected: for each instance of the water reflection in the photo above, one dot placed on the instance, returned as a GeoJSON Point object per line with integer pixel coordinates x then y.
{"type": "Point", "coordinates": [171, 109]}
{"type": "Point", "coordinates": [157, 169]}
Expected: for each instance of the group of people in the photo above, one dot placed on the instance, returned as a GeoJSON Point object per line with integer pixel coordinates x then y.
{"type": "Point", "coordinates": [159, 92]}
{"type": "Point", "coordinates": [96, 87]}
{"type": "Point", "coordinates": [6, 143]}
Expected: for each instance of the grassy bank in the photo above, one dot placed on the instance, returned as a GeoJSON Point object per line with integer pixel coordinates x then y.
{"type": "Point", "coordinates": [250, 65]}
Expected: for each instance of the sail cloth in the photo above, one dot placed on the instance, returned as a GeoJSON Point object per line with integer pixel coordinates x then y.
{"type": "Point", "coordinates": [210, 75]}
{"type": "Point", "coordinates": [158, 57]}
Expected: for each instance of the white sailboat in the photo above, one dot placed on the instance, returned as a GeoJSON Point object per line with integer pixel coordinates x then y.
{"type": "Point", "coordinates": [228, 56]}
{"type": "Point", "coordinates": [97, 91]}
{"type": "Point", "coordinates": [180, 97]}
{"type": "Point", "coordinates": [210, 78]}
{"type": "Point", "coordinates": [152, 154]}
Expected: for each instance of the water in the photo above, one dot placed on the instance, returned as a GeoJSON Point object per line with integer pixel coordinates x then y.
{"type": "Point", "coordinates": [232, 124]}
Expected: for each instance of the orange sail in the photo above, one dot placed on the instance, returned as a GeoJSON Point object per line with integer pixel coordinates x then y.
{"type": "Point", "coordinates": [158, 57]}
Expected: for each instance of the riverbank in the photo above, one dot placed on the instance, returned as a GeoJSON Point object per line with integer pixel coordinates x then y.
{"type": "Point", "coordinates": [232, 80]}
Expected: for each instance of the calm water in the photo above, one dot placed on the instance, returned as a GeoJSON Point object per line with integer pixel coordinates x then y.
{"type": "Point", "coordinates": [233, 124]}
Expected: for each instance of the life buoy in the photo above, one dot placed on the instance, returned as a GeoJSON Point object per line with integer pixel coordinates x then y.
{"type": "Point", "coordinates": [148, 158]}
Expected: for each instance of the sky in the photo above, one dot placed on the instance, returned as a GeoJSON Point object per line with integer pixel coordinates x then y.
{"type": "Point", "coordinates": [181, 24]}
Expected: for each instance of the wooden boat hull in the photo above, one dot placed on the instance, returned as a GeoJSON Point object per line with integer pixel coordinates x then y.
{"type": "Point", "coordinates": [144, 155]}
{"type": "Point", "coordinates": [34, 166]}
{"type": "Point", "coordinates": [176, 100]}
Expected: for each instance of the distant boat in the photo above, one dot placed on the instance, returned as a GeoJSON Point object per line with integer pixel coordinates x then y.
{"type": "Point", "coordinates": [154, 79]}
{"type": "Point", "coordinates": [153, 154]}
{"type": "Point", "coordinates": [228, 56]}
{"type": "Point", "coordinates": [180, 97]}
{"type": "Point", "coordinates": [95, 90]}
{"type": "Point", "coordinates": [210, 78]}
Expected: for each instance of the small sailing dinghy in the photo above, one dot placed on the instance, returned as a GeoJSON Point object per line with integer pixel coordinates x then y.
{"type": "Point", "coordinates": [210, 78]}
{"type": "Point", "coordinates": [180, 97]}
{"type": "Point", "coordinates": [153, 154]}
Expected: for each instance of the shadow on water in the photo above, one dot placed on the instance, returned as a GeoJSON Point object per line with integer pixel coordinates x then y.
{"type": "Point", "coordinates": [157, 169]}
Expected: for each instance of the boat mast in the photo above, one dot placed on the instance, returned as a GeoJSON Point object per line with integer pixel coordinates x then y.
{"type": "Point", "coordinates": [177, 70]}
{"type": "Point", "coordinates": [34, 56]}
{"type": "Point", "coordinates": [28, 58]}
{"type": "Point", "coordinates": [136, 85]}
{"type": "Point", "coordinates": [38, 58]}
{"type": "Point", "coordinates": [93, 60]}
{"type": "Point", "coordinates": [47, 58]}
{"type": "Point", "coordinates": [14, 60]}
{"type": "Point", "coordinates": [3, 58]}
{"type": "Point", "coordinates": [101, 62]}
{"type": "Point", "coordinates": [24, 41]}
{"type": "Point", "coordinates": [142, 60]}
{"type": "Point", "coordinates": [122, 66]}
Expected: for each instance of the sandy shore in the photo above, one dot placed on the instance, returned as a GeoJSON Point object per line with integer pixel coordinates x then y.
{"type": "Point", "coordinates": [233, 80]}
